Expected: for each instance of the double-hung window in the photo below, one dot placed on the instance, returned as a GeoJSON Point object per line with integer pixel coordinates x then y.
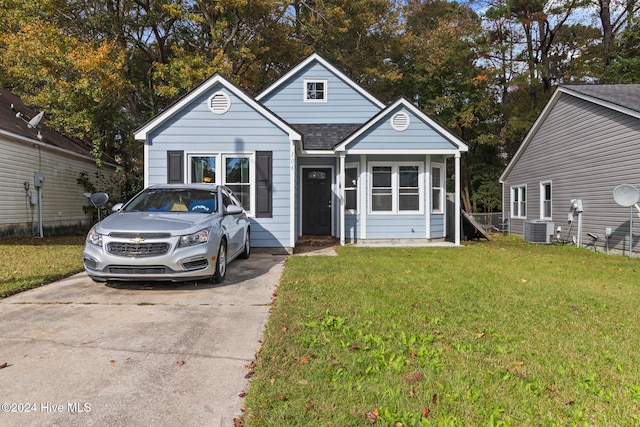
{"type": "Point", "coordinates": [396, 188]}
{"type": "Point", "coordinates": [351, 188]}
{"type": "Point", "coordinates": [233, 170]}
{"type": "Point", "coordinates": [519, 201]}
{"type": "Point", "coordinates": [437, 188]}
{"type": "Point", "coordinates": [545, 200]}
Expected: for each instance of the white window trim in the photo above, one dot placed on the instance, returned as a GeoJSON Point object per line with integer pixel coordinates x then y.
{"type": "Point", "coordinates": [542, 194]}
{"type": "Point", "coordinates": [220, 161]}
{"type": "Point", "coordinates": [355, 166]}
{"type": "Point", "coordinates": [395, 187]}
{"type": "Point", "coordinates": [326, 91]}
{"type": "Point", "coordinates": [442, 187]}
{"type": "Point", "coordinates": [518, 188]}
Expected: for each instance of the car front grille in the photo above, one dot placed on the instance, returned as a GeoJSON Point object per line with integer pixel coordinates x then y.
{"type": "Point", "coordinates": [124, 269]}
{"type": "Point", "coordinates": [138, 250]}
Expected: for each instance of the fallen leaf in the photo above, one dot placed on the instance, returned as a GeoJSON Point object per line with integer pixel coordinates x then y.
{"type": "Point", "coordinates": [524, 280]}
{"type": "Point", "coordinates": [480, 335]}
{"type": "Point", "coordinates": [434, 399]}
{"type": "Point", "coordinates": [304, 361]}
{"type": "Point", "coordinates": [518, 363]}
{"type": "Point", "coordinates": [242, 394]}
{"type": "Point", "coordinates": [4, 365]}
{"type": "Point", "coordinates": [282, 397]}
{"type": "Point", "coordinates": [411, 392]}
{"type": "Point", "coordinates": [238, 422]}
{"type": "Point", "coordinates": [425, 411]}
{"type": "Point", "coordinates": [272, 380]}
{"type": "Point", "coordinates": [308, 406]}
{"type": "Point", "coordinates": [180, 362]}
{"type": "Point", "coordinates": [372, 416]}
{"type": "Point", "coordinates": [112, 362]}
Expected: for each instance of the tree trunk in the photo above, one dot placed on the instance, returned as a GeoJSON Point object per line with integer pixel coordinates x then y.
{"type": "Point", "coordinates": [607, 31]}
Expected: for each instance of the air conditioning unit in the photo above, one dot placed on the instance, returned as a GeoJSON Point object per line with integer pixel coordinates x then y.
{"type": "Point", "coordinates": [538, 231]}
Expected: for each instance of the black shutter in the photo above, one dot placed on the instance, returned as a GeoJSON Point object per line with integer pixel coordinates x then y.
{"type": "Point", "coordinates": [175, 167]}
{"type": "Point", "coordinates": [264, 179]}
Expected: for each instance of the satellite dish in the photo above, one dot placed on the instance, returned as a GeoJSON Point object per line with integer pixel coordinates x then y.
{"type": "Point", "coordinates": [33, 123]}
{"type": "Point", "coordinates": [626, 195]}
{"type": "Point", "coordinates": [99, 199]}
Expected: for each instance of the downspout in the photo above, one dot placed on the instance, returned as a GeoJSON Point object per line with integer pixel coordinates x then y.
{"type": "Point", "coordinates": [457, 199]}
{"type": "Point", "coordinates": [341, 196]}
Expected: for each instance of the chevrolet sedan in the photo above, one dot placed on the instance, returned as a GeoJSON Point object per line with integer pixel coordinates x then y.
{"type": "Point", "coordinates": [169, 232]}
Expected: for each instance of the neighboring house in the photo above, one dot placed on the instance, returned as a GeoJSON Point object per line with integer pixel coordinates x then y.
{"type": "Point", "coordinates": [28, 153]}
{"type": "Point", "coordinates": [313, 154]}
{"type": "Point", "coordinates": [585, 143]}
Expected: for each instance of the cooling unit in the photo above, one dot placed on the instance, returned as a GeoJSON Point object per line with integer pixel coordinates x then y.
{"type": "Point", "coordinates": [538, 231]}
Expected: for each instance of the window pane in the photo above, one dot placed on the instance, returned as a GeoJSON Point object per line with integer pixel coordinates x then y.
{"type": "Point", "coordinates": [237, 170]}
{"type": "Point", "coordinates": [351, 178]}
{"type": "Point", "coordinates": [408, 176]}
{"type": "Point", "coordinates": [436, 201]}
{"type": "Point", "coordinates": [382, 176]}
{"type": "Point", "coordinates": [243, 193]}
{"type": "Point", "coordinates": [351, 199]}
{"type": "Point", "coordinates": [203, 169]}
{"type": "Point", "coordinates": [381, 199]}
{"type": "Point", "coordinates": [435, 177]}
{"type": "Point", "coordinates": [409, 202]}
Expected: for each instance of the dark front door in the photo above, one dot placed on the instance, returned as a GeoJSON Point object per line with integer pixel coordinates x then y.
{"type": "Point", "coordinates": [316, 202]}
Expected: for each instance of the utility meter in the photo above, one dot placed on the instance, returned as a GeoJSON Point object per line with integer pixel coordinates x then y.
{"type": "Point", "coordinates": [38, 179]}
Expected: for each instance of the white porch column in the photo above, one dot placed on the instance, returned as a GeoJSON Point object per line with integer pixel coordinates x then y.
{"type": "Point", "coordinates": [341, 181]}
{"type": "Point", "coordinates": [457, 198]}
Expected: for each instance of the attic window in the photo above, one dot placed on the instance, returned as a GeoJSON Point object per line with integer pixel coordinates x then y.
{"type": "Point", "coordinates": [219, 103]}
{"type": "Point", "coordinates": [315, 91]}
{"type": "Point", "coordinates": [400, 121]}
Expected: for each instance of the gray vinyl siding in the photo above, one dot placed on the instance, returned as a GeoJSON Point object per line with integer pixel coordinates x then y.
{"type": "Point", "coordinates": [241, 130]}
{"type": "Point", "coordinates": [344, 104]}
{"type": "Point", "coordinates": [62, 197]}
{"type": "Point", "coordinates": [585, 150]}
{"type": "Point", "coordinates": [418, 136]}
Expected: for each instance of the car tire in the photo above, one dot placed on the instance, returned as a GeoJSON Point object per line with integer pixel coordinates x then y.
{"type": "Point", "coordinates": [247, 246]}
{"type": "Point", "coordinates": [221, 263]}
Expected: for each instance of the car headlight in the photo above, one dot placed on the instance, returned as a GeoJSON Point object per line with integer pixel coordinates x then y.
{"type": "Point", "coordinates": [94, 237]}
{"type": "Point", "coordinates": [196, 238]}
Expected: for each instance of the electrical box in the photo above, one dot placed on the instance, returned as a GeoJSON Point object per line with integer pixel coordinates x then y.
{"type": "Point", "coordinates": [38, 179]}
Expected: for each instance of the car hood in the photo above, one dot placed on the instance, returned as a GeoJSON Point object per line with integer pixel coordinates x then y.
{"type": "Point", "coordinates": [176, 223]}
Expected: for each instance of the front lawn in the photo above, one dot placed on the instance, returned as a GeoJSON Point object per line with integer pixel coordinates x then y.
{"type": "Point", "coordinates": [494, 333]}
{"type": "Point", "coordinates": [30, 262]}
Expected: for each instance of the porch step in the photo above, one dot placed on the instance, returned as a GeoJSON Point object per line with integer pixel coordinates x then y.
{"type": "Point", "coordinates": [307, 244]}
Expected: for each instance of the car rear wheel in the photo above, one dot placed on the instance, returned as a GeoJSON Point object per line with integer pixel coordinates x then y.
{"type": "Point", "coordinates": [247, 247]}
{"type": "Point", "coordinates": [221, 263]}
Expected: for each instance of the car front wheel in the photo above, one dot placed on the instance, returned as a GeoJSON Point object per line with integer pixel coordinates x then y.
{"type": "Point", "coordinates": [221, 263]}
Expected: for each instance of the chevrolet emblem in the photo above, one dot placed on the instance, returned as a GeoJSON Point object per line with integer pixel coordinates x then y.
{"type": "Point", "coordinates": [137, 240]}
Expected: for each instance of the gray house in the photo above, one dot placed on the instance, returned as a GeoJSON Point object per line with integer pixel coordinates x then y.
{"type": "Point", "coordinates": [560, 183]}
{"type": "Point", "coordinates": [39, 169]}
{"type": "Point", "coordinates": [313, 154]}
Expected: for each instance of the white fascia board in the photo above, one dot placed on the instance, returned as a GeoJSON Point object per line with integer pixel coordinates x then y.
{"type": "Point", "coordinates": [437, 152]}
{"type": "Point", "coordinates": [462, 147]}
{"type": "Point", "coordinates": [142, 133]}
{"type": "Point", "coordinates": [315, 57]}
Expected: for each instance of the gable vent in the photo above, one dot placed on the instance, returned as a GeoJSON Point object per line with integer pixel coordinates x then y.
{"type": "Point", "coordinates": [400, 121]}
{"type": "Point", "coordinates": [219, 103]}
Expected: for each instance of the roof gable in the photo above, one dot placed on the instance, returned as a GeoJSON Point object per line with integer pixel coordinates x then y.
{"type": "Point", "coordinates": [422, 133]}
{"type": "Point", "coordinates": [315, 58]}
{"type": "Point", "coordinates": [208, 85]}
{"type": "Point", "coordinates": [621, 97]}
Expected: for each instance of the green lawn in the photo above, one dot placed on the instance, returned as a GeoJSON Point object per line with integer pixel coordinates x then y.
{"type": "Point", "coordinates": [28, 263]}
{"type": "Point", "coordinates": [499, 333]}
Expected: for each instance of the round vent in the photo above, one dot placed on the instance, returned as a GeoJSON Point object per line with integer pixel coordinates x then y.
{"type": "Point", "coordinates": [400, 121]}
{"type": "Point", "coordinates": [219, 103]}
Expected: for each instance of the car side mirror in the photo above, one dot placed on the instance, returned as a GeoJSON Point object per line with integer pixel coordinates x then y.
{"type": "Point", "coordinates": [117, 207]}
{"type": "Point", "coordinates": [233, 210]}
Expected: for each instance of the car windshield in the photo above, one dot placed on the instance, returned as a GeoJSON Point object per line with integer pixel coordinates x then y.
{"type": "Point", "coordinates": [173, 200]}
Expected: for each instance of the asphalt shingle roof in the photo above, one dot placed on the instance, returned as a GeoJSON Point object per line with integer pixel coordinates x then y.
{"type": "Point", "coordinates": [624, 95]}
{"type": "Point", "coordinates": [325, 136]}
{"type": "Point", "coordinates": [17, 126]}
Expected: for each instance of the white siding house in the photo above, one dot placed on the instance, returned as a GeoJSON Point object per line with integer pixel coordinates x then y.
{"type": "Point", "coordinates": [27, 151]}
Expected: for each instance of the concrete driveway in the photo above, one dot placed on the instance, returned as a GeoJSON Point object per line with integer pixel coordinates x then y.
{"type": "Point", "coordinates": [79, 353]}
